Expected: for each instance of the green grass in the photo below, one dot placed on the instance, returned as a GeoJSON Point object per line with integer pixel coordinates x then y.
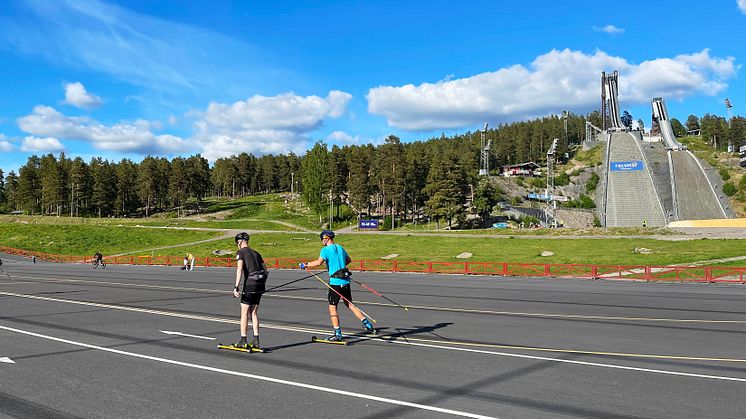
{"type": "Point", "coordinates": [615, 251]}
{"type": "Point", "coordinates": [81, 240]}
{"type": "Point", "coordinates": [590, 157]}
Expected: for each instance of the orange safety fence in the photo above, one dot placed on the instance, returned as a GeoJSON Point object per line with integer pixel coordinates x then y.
{"type": "Point", "coordinates": [614, 272]}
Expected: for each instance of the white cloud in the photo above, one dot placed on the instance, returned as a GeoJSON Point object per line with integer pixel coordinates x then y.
{"type": "Point", "coordinates": [742, 6]}
{"type": "Point", "coordinates": [609, 29]}
{"type": "Point", "coordinates": [123, 137]}
{"type": "Point", "coordinates": [265, 124]}
{"type": "Point", "coordinates": [343, 137]}
{"type": "Point", "coordinates": [78, 96]}
{"type": "Point", "coordinates": [46, 145]}
{"type": "Point", "coordinates": [5, 145]}
{"type": "Point", "coordinates": [283, 112]}
{"type": "Point", "coordinates": [553, 82]}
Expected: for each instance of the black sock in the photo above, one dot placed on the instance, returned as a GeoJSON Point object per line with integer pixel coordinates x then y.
{"type": "Point", "coordinates": [242, 340]}
{"type": "Point", "coordinates": [255, 340]}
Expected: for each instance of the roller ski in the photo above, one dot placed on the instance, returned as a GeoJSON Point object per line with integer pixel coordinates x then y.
{"type": "Point", "coordinates": [242, 346]}
{"type": "Point", "coordinates": [333, 339]}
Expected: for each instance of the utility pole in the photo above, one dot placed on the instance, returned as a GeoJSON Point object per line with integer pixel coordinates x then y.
{"type": "Point", "coordinates": [331, 209]}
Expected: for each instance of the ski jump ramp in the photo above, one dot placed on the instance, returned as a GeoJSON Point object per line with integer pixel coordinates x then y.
{"type": "Point", "coordinates": [695, 197]}
{"type": "Point", "coordinates": [631, 197]}
{"type": "Point", "coordinates": [660, 115]}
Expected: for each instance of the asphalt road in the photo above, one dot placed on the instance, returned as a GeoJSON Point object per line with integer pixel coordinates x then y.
{"type": "Point", "coordinates": [79, 342]}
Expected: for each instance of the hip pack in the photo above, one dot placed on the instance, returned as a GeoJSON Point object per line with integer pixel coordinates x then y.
{"type": "Point", "coordinates": [343, 273]}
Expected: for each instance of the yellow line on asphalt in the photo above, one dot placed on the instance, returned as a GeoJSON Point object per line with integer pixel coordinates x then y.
{"type": "Point", "coordinates": [390, 339]}
{"type": "Point", "coordinates": [418, 307]}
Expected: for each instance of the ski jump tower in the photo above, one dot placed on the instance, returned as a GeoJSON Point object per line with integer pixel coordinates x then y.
{"type": "Point", "coordinates": [610, 102]}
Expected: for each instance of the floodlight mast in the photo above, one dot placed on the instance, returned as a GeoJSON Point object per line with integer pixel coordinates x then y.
{"type": "Point", "coordinates": [484, 153]}
{"type": "Point", "coordinates": [551, 203]}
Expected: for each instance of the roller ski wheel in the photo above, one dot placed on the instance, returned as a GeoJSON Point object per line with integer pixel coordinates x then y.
{"type": "Point", "coordinates": [330, 341]}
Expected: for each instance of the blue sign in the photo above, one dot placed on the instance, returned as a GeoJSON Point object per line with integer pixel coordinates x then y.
{"type": "Point", "coordinates": [541, 197]}
{"type": "Point", "coordinates": [371, 224]}
{"type": "Point", "coordinates": [626, 166]}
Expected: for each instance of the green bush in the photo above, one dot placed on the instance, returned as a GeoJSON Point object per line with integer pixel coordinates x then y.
{"type": "Point", "coordinates": [724, 174]}
{"type": "Point", "coordinates": [538, 183]}
{"type": "Point", "coordinates": [592, 183]}
{"type": "Point", "coordinates": [562, 180]}
{"type": "Point", "coordinates": [729, 189]}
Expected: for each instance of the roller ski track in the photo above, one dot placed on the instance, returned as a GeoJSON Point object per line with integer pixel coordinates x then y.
{"type": "Point", "coordinates": [248, 348]}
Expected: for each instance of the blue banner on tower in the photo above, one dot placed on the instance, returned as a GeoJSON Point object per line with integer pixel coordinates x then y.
{"type": "Point", "coordinates": [626, 166]}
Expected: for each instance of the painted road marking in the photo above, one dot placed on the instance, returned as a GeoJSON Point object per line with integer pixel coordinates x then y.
{"type": "Point", "coordinates": [417, 307]}
{"type": "Point", "coordinates": [253, 376]}
{"type": "Point", "coordinates": [186, 335]}
{"type": "Point", "coordinates": [6, 360]}
{"type": "Point", "coordinates": [429, 343]}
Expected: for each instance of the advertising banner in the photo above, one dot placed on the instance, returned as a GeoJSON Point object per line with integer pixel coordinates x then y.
{"type": "Point", "coordinates": [627, 166]}
{"type": "Point", "coordinates": [368, 224]}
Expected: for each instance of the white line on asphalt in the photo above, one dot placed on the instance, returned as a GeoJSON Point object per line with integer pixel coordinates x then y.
{"type": "Point", "coordinates": [413, 341]}
{"type": "Point", "coordinates": [569, 361]}
{"type": "Point", "coordinates": [168, 332]}
{"type": "Point", "coordinates": [253, 376]}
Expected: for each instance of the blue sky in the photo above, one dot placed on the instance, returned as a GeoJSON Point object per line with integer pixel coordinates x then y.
{"type": "Point", "coordinates": [127, 79]}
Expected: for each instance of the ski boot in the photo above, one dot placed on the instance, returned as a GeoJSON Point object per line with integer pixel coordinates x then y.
{"type": "Point", "coordinates": [336, 337]}
{"type": "Point", "coordinates": [368, 326]}
{"type": "Point", "coordinates": [255, 347]}
{"type": "Point", "coordinates": [241, 344]}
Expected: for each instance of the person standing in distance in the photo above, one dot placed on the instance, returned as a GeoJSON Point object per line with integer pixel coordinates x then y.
{"type": "Point", "coordinates": [337, 259]}
{"type": "Point", "coordinates": [253, 270]}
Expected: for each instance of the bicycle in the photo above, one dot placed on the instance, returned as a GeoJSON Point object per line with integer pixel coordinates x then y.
{"type": "Point", "coordinates": [97, 263]}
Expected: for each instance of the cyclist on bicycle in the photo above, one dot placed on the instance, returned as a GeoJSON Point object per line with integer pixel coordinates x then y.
{"type": "Point", "coordinates": [98, 259]}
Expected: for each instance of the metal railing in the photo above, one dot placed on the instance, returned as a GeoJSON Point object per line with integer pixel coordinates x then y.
{"type": "Point", "coordinates": [694, 274]}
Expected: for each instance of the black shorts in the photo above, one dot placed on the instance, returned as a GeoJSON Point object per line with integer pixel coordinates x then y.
{"type": "Point", "coordinates": [252, 293]}
{"type": "Point", "coordinates": [341, 289]}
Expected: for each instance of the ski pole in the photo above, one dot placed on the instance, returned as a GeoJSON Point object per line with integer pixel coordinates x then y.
{"type": "Point", "coordinates": [379, 294]}
{"type": "Point", "coordinates": [343, 297]}
{"type": "Point", "coordinates": [288, 283]}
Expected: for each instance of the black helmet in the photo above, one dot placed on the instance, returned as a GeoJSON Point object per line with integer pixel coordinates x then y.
{"type": "Point", "coordinates": [326, 233]}
{"type": "Point", "coordinates": [242, 236]}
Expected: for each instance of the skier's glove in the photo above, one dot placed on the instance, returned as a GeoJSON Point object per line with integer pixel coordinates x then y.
{"type": "Point", "coordinates": [302, 265]}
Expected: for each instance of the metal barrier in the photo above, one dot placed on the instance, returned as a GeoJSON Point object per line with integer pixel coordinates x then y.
{"type": "Point", "coordinates": [694, 274]}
